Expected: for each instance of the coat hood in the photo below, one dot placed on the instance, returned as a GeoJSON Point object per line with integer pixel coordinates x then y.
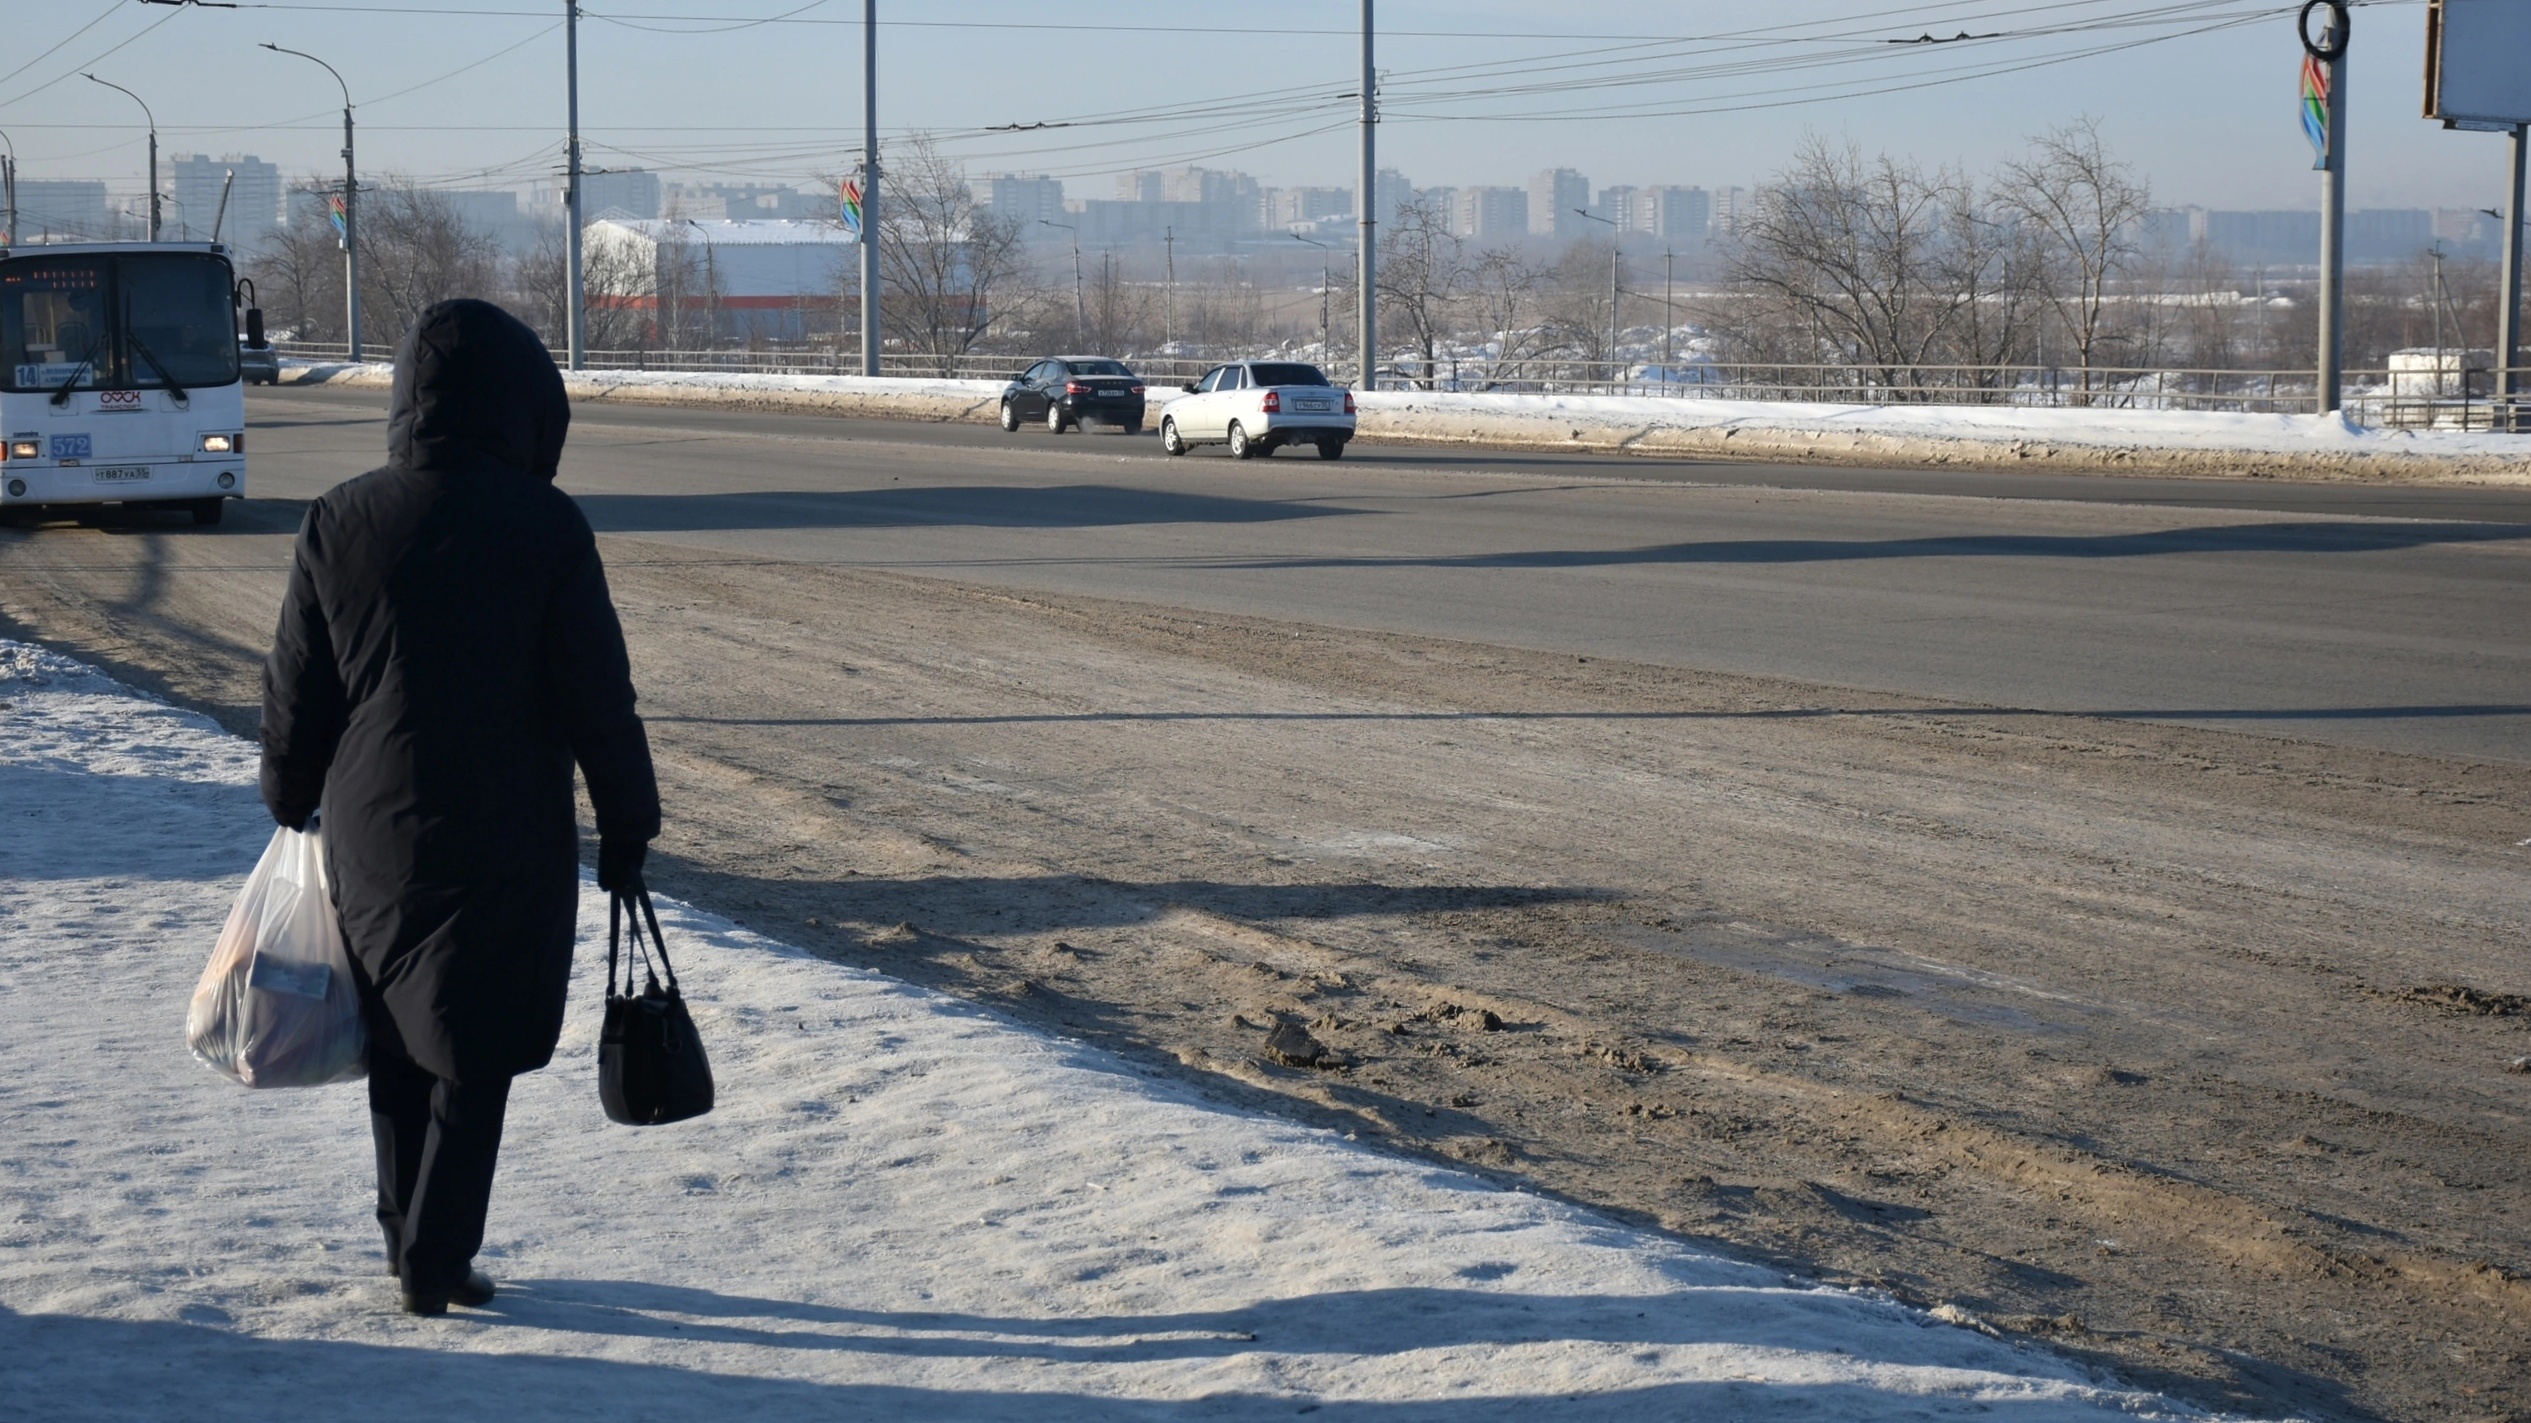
{"type": "Point", "coordinates": [474, 384]}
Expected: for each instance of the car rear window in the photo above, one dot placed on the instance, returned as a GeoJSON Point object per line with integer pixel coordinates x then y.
{"type": "Point", "coordinates": [1286, 373]}
{"type": "Point", "coordinates": [1098, 368]}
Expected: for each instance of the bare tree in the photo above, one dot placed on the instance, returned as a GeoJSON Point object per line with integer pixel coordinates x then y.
{"type": "Point", "coordinates": [612, 286]}
{"type": "Point", "coordinates": [1423, 270]}
{"type": "Point", "coordinates": [1847, 249]}
{"type": "Point", "coordinates": [950, 268]}
{"type": "Point", "coordinates": [417, 251]}
{"type": "Point", "coordinates": [2084, 207]}
{"type": "Point", "coordinates": [1504, 300]}
{"type": "Point", "coordinates": [298, 276]}
{"type": "Point", "coordinates": [1118, 311]}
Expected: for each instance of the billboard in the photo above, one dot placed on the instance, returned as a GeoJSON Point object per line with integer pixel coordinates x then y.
{"type": "Point", "coordinates": [2478, 63]}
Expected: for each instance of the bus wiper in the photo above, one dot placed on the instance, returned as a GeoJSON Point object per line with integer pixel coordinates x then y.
{"type": "Point", "coordinates": [173, 389]}
{"type": "Point", "coordinates": [62, 396]}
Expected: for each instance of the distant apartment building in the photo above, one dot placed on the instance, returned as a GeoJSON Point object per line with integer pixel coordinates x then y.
{"type": "Point", "coordinates": [62, 209]}
{"type": "Point", "coordinates": [1617, 204]}
{"type": "Point", "coordinates": [1555, 194]}
{"type": "Point", "coordinates": [1291, 207]}
{"type": "Point", "coordinates": [630, 192]}
{"type": "Point", "coordinates": [1491, 214]}
{"type": "Point", "coordinates": [1390, 191]}
{"type": "Point", "coordinates": [1441, 202]}
{"type": "Point", "coordinates": [745, 202]}
{"type": "Point", "coordinates": [1105, 222]}
{"type": "Point", "coordinates": [491, 212]}
{"type": "Point", "coordinates": [1143, 186]}
{"type": "Point", "coordinates": [192, 205]}
{"type": "Point", "coordinates": [1728, 209]}
{"type": "Point", "coordinates": [1031, 198]}
{"type": "Point", "coordinates": [1673, 214]}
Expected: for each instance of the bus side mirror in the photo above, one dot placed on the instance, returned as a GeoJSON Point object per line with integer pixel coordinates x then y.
{"type": "Point", "coordinates": [255, 327]}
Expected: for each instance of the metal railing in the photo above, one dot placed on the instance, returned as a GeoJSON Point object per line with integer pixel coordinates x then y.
{"type": "Point", "coordinates": [2385, 399]}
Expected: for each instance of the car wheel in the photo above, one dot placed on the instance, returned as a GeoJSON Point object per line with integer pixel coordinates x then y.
{"type": "Point", "coordinates": [1010, 417]}
{"type": "Point", "coordinates": [208, 511]}
{"type": "Point", "coordinates": [1240, 448]}
{"type": "Point", "coordinates": [1055, 423]}
{"type": "Point", "coordinates": [1170, 444]}
{"type": "Point", "coordinates": [1131, 427]}
{"type": "Point", "coordinates": [1331, 449]}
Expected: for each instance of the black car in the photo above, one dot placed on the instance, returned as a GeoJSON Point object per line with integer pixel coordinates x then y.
{"type": "Point", "coordinates": [1067, 391]}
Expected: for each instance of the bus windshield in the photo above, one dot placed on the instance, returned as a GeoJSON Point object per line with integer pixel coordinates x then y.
{"type": "Point", "coordinates": [117, 321]}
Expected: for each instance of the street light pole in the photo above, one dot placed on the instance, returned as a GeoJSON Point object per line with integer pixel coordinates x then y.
{"type": "Point", "coordinates": [2508, 316]}
{"type": "Point", "coordinates": [2329, 50]}
{"type": "Point", "coordinates": [153, 149]}
{"type": "Point", "coordinates": [1326, 279]}
{"type": "Point", "coordinates": [1367, 295]}
{"type": "Point", "coordinates": [9, 186]}
{"type": "Point", "coordinates": [575, 314]}
{"type": "Point", "coordinates": [1669, 323]}
{"type": "Point", "coordinates": [351, 209]}
{"type": "Point", "coordinates": [869, 187]}
{"type": "Point", "coordinates": [1080, 318]}
{"type": "Point", "coordinates": [1613, 231]}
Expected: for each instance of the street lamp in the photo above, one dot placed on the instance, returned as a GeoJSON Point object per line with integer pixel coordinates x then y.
{"type": "Point", "coordinates": [153, 148]}
{"type": "Point", "coordinates": [351, 209]}
{"type": "Point", "coordinates": [1326, 278]}
{"type": "Point", "coordinates": [1614, 230]}
{"type": "Point", "coordinates": [9, 188]}
{"type": "Point", "coordinates": [1080, 313]}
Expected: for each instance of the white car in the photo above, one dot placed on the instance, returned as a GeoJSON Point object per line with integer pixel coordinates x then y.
{"type": "Point", "coordinates": [1256, 407]}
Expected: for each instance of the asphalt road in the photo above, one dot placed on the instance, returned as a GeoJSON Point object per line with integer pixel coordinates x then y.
{"type": "Point", "coordinates": [2360, 615]}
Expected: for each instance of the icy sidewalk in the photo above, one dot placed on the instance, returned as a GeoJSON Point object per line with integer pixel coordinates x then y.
{"type": "Point", "coordinates": [903, 1208]}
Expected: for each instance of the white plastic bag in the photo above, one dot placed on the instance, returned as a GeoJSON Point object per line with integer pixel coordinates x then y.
{"type": "Point", "coordinates": [276, 1006]}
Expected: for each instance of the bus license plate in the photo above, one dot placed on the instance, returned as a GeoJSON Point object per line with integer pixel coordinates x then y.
{"type": "Point", "coordinates": [120, 474]}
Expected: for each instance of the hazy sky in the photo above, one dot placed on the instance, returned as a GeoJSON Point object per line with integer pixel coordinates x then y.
{"type": "Point", "coordinates": [1643, 91]}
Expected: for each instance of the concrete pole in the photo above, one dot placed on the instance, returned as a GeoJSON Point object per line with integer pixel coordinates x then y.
{"type": "Point", "coordinates": [351, 233]}
{"type": "Point", "coordinates": [869, 187]}
{"type": "Point", "coordinates": [2509, 286]}
{"type": "Point", "coordinates": [1367, 294]}
{"type": "Point", "coordinates": [2332, 370]}
{"type": "Point", "coordinates": [575, 296]}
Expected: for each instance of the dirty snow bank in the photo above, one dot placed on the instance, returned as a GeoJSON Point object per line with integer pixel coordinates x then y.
{"type": "Point", "coordinates": [2163, 442]}
{"type": "Point", "coordinates": [903, 1207]}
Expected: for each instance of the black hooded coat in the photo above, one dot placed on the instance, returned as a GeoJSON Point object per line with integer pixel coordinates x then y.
{"type": "Point", "coordinates": [447, 651]}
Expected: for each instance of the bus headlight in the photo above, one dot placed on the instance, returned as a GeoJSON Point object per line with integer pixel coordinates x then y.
{"type": "Point", "coordinates": [227, 480]}
{"type": "Point", "coordinates": [17, 489]}
{"type": "Point", "coordinates": [221, 444]}
{"type": "Point", "coordinates": [26, 449]}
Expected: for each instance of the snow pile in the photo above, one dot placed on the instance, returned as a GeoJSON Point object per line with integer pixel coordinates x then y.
{"type": "Point", "coordinates": [1982, 436]}
{"type": "Point", "coordinates": [903, 1206]}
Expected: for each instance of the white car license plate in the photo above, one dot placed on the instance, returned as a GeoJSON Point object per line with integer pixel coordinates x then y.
{"type": "Point", "coordinates": [120, 474]}
{"type": "Point", "coordinates": [1315, 405]}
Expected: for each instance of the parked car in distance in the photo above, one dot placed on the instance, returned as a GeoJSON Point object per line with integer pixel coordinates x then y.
{"type": "Point", "coordinates": [258, 365]}
{"type": "Point", "coordinates": [1257, 407]}
{"type": "Point", "coordinates": [1065, 392]}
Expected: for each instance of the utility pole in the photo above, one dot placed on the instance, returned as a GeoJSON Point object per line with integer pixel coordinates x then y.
{"type": "Point", "coordinates": [1367, 292]}
{"type": "Point", "coordinates": [1326, 279]}
{"type": "Point", "coordinates": [351, 208]}
{"type": "Point", "coordinates": [1669, 323]}
{"type": "Point", "coordinates": [1080, 320]}
{"type": "Point", "coordinates": [2324, 67]}
{"type": "Point", "coordinates": [9, 188]}
{"type": "Point", "coordinates": [153, 148]}
{"type": "Point", "coordinates": [869, 187]}
{"type": "Point", "coordinates": [575, 294]}
{"type": "Point", "coordinates": [2508, 315]}
{"type": "Point", "coordinates": [1169, 241]}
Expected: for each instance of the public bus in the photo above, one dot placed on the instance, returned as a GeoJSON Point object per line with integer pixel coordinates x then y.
{"type": "Point", "coordinates": [119, 378]}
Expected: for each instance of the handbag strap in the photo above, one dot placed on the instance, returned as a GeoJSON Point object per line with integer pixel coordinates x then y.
{"type": "Point", "coordinates": [658, 943]}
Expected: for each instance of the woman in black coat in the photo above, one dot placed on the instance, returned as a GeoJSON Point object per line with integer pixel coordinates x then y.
{"type": "Point", "coordinates": [447, 651]}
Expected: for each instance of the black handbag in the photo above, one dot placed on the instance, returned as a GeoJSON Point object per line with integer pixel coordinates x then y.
{"type": "Point", "coordinates": [651, 1067]}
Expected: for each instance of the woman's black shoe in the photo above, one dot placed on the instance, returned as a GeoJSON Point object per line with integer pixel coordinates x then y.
{"type": "Point", "coordinates": [474, 1292]}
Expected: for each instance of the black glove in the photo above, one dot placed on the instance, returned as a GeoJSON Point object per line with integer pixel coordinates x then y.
{"type": "Point", "coordinates": [620, 865]}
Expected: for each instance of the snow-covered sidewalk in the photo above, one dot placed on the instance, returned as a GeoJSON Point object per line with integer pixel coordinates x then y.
{"type": "Point", "coordinates": [904, 1207]}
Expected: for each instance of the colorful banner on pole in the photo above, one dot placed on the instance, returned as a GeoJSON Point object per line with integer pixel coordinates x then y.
{"type": "Point", "coordinates": [334, 210]}
{"type": "Point", "coordinates": [852, 209]}
{"type": "Point", "coordinates": [2316, 108]}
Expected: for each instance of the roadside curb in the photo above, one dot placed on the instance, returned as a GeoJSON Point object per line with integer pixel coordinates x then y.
{"type": "Point", "coordinates": [1715, 430]}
